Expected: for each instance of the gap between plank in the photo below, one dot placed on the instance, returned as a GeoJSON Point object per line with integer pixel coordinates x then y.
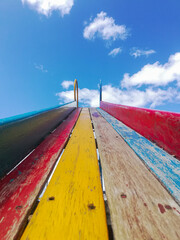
{"type": "Point", "coordinates": [108, 217]}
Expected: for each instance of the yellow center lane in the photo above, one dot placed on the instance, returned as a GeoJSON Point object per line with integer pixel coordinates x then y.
{"type": "Point", "coordinates": [72, 206]}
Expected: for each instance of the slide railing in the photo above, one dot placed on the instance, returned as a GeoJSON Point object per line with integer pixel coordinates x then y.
{"type": "Point", "coordinates": [19, 135]}
{"type": "Point", "coordinates": [160, 127]}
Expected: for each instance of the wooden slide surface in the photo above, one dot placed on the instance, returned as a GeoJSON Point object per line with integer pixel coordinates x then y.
{"type": "Point", "coordinates": [140, 207]}
{"type": "Point", "coordinates": [164, 166]}
{"type": "Point", "coordinates": [72, 206]}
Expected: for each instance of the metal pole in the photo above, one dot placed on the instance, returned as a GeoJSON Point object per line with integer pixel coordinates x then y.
{"type": "Point", "coordinates": [76, 90]}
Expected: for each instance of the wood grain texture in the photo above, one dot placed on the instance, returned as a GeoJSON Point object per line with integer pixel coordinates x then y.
{"type": "Point", "coordinates": [19, 136]}
{"type": "Point", "coordinates": [72, 206]}
{"type": "Point", "coordinates": [140, 207]}
{"type": "Point", "coordinates": [19, 189]}
{"type": "Point", "coordinates": [157, 126]}
{"type": "Point", "coordinates": [164, 166]}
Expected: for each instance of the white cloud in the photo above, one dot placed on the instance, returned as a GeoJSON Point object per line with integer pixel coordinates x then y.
{"type": "Point", "coordinates": [46, 7]}
{"type": "Point", "coordinates": [104, 27]}
{"type": "Point", "coordinates": [152, 96]}
{"type": "Point", "coordinates": [67, 84]}
{"type": "Point", "coordinates": [138, 98]}
{"type": "Point", "coordinates": [115, 51]}
{"type": "Point", "coordinates": [132, 97]}
{"type": "Point", "coordinates": [41, 68]}
{"type": "Point", "coordinates": [155, 74]}
{"type": "Point", "coordinates": [138, 52]}
{"type": "Point", "coordinates": [86, 96]}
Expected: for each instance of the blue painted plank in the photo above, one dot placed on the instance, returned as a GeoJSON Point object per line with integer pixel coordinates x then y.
{"type": "Point", "coordinates": [164, 166]}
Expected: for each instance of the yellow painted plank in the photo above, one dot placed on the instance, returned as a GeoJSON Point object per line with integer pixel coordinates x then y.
{"type": "Point", "coordinates": [72, 206]}
{"type": "Point", "coordinates": [140, 207]}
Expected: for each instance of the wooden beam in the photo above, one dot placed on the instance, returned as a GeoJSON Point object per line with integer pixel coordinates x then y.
{"type": "Point", "coordinates": [19, 190]}
{"type": "Point", "coordinates": [140, 207]}
{"type": "Point", "coordinates": [157, 126]}
{"type": "Point", "coordinates": [72, 206]}
{"type": "Point", "coordinates": [20, 135]}
{"type": "Point", "coordinates": [164, 166]}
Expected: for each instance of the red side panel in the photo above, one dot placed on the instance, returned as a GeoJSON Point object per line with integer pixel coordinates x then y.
{"type": "Point", "coordinates": [19, 189]}
{"type": "Point", "coordinates": [158, 126]}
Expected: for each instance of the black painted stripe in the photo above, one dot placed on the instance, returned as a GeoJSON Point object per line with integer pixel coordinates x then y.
{"type": "Point", "coordinates": [18, 138]}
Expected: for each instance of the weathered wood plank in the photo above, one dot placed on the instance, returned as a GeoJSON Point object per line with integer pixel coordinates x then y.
{"type": "Point", "coordinates": [72, 206]}
{"type": "Point", "coordinates": [164, 166]}
{"type": "Point", "coordinates": [157, 126]}
{"type": "Point", "coordinates": [19, 189]}
{"type": "Point", "coordinates": [140, 207]}
{"type": "Point", "coordinates": [20, 135]}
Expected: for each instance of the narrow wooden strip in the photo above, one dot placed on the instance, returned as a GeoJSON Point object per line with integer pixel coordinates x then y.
{"type": "Point", "coordinates": [140, 207]}
{"type": "Point", "coordinates": [72, 206]}
{"type": "Point", "coordinates": [165, 167]}
{"type": "Point", "coordinates": [157, 126]}
{"type": "Point", "coordinates": [19, 189]}
{"type": "Point", "coordinates": [20, 136]}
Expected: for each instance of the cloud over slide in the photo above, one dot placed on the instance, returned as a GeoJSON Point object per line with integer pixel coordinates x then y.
{"type": "Point", "coordinates": [133, 97]}
{"type": "Point", "coordinates": [105, 27]}
{"type": "Point", "coordinates": [46, 7]}
{"type": "Point", "coordinates": [155, 74]}
{"type": "Point", "coordinates": [155, 78]}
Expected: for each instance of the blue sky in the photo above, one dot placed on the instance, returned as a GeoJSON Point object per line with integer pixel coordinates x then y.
{"type": "Point", "coordinates": [132, 46]}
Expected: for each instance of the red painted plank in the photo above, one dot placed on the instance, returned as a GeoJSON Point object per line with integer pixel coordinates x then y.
{"type": "Point", "coordinates": [19, 189]}
{"type": "Point", "coordinates": [160, 127]}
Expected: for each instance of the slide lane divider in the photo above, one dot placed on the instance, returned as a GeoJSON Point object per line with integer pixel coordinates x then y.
{"type": "Point", "coordinates": [19, 189]}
